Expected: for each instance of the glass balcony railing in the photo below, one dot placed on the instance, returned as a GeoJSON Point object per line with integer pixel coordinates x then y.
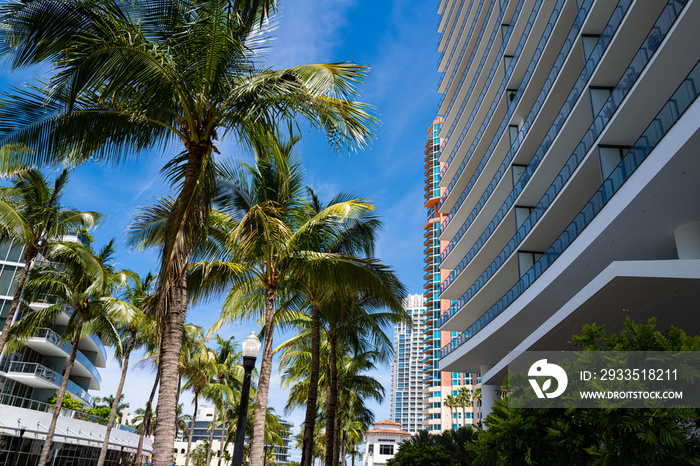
{"type": "Point", "coordinates": [472, 57]}
{"type": "Point", "coordinates": [50, 376]}
{"type": "Point", "coordinates": [460, 30]}
{"type": "Point", "coordinates": [664, 23]}
{"type": "Point", "coordinates": [566, 109]}
{"type": "Point", "coordinates": [566, 47]}
{"type": "Point", "coordinates": [684, 96]}
{"type": "Point", "coordinates": [55, 338]}
{"type": "Point", "coordinates": [496, 65]}
{"type": "Point", "coordinates": [34, 405]}
{"type": "Point", "coordinates": [100, 346]}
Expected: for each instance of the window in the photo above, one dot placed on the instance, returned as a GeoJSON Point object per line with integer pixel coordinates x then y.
{"type": "Point", "coordinates": [386, 449]}
{"type": "Point", "coordinates": [370, 448]}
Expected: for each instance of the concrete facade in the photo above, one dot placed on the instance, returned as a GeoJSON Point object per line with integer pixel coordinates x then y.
{"type": "Point", "coordinates": [571, 132]}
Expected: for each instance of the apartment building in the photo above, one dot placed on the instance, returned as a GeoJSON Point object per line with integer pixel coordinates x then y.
{"type": "Point", "coordinates": [438, 415]}
{"type": "Point", "coordinates": [406, 407]}
{"type": "Point", "coordinates": [570, 172]}
{"type": "Point", "coordinates": [32, 375]}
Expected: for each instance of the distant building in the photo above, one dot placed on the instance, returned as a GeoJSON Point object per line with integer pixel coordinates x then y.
{"type": "Point", "coordinates": [438, 385]}
{"type": "Point", "coordinates": [407, 369]}
{"type": "Point", "coordinates": [382, 442]}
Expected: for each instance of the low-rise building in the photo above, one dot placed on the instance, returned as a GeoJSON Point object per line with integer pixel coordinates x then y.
{"type": "Point", "coordinates": [383, 441]}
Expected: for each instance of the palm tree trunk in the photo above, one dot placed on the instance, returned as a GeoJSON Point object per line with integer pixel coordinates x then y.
{"type": "Point", "coordinates": [211, 436]}
{"type": "Point", "coordinates": [146, 421]}
{"type": "Point", "coordinates": [185, 221]}
{"type": "Point", "coordinates": [331, 402]}
{"type": "Point", "coordinates": [336, 441]}
{"type": "Point", "coordinates": [189, 440]}
{"type": "Point", "coordinates": [257, 441]}
{"type": "Point", "coordinates": [307, 453]}
{"type": "Point", "coordinates": [117, 396]}
{"type": "Point", "coordinates": [171, 344]}
{"type": "Point", "coordinates": [222, 447]}
{"type": "Point", "coordinates": [15, 300]}
{"type": "Point", "coordinates": [43, 458]}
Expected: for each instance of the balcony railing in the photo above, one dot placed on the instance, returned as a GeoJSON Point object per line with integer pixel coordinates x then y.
{"type": "Point", "coordinates": [684, 96]}
{"type": "Point", "coordinates": [55, 338]}
{"type": "Point", "coordinates": [34, 405]}
{"type": "Point", "coordinates": [634, 70]}
{"type": "Point", "coordinates": [50, 376]}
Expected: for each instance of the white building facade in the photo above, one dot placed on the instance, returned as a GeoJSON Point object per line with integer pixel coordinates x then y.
{"type": "Point", "coordinates": [382, 442]}
{"type": "Point", "coordinates": [571, 134]}
{"type": "Point", "coordinates": [31, 376]}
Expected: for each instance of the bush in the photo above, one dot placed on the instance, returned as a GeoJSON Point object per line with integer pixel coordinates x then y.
{"type": "Point", "coordinates": [68, 402]}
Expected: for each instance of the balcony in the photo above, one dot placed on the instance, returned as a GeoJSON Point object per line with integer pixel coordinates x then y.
{"type": "Point", "coordinates": [34, 405]}
{"type": "Point", "coordinates": [38, 376]}
{"type": "Point", "coordinates": [46, 341]}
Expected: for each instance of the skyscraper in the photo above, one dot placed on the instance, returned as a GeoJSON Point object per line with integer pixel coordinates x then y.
{"type": "Point", "coordinates": [438, 415]}
{"type": "Point", "coordinates": [406, 371]}
{"type": "Point", "coordinates": [570, 172]}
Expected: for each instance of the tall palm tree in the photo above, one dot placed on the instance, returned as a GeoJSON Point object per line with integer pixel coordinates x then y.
{"type": "Point", "coordinates": [348, 245]}
{"type": "Point", "coordinates": [451, 402]}
{"type": "Point", "coordinates": [465, 396]}
{"type": "Point", "coordinates": [161, 74]}
{"type": "Point", "coordinates": [351, 388]}
{"type": "Point", "coordinates": [357, 320]}
{"type": "Point", "coordinates": [230, 374]}
{"type": "Point", "coordinates": [199, 367]}
{"type": "Point", "coordinates": [263, 209]}
{"type": "Point", "coordinates": [191, 338]}
{"type": "Point", "coordinates": [84, 283]}
{"type": "Point", "coordinates": [135, 334]}
{"type": "Point", "coordinates": [34, 220]}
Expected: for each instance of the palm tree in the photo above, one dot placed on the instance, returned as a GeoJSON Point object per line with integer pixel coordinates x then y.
{"type": "Point", "coordinates": [191, 337]}
{"type": "Point", "coordinates": [465, 399]}
{"type": "Point", "coordinates": [230, 374]}
{"type": "Point", "coordinates": [140, 421]}
{"type": "Point", "coordinates": [451, 402]}
{"type": "Point", "coordinates": [358, 321]}
{"type": "Point", "coordinates": [84, 283]}
{"type": "Point", "coordinates": [352, 385]}
{"type": "Point", "coordinates": [159, 74]}
{"type": "Point", "coordinates": [136, 332]}
{"type": "Point", "coordinates": [34, 221]}
{"type": "Point", "coordinates": [263, 209]}
{"type": "Point", "coordinates": [198, 369]}
{"type": "Point", "coordinates": [340, 242]}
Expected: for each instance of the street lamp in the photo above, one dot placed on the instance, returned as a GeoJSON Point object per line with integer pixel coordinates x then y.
{"type": "Point", "coordinates": [251, 347]}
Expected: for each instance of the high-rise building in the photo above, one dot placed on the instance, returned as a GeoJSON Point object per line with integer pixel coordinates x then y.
{"type": "Point", "coordinates": [30, 377]}
{"type": "Point", "coordinates": [438, 415]}
{"type": "Point", "coordinates": [570, 168]}
{"type": "Point", "coordinates": [407, 370]}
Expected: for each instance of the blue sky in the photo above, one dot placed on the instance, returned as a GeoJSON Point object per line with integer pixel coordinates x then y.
{"type": "Point", "coordinates": [398, 40]}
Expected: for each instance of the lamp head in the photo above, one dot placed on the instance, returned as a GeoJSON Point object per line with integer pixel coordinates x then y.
{"type": "Point", "coordinates": [251, 346]}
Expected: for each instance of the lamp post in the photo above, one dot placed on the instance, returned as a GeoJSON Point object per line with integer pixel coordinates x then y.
{"type": "Point", "coordinates": [251, 347]}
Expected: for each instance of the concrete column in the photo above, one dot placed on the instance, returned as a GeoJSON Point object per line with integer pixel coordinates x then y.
{"type": "Point", "coordinates": [488, 392]}
{"type": "Point", "coordinates": [688, 240]}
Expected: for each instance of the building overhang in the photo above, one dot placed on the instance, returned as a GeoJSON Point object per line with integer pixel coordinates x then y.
{"type": "Point", "coordinates": [665, 290]}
